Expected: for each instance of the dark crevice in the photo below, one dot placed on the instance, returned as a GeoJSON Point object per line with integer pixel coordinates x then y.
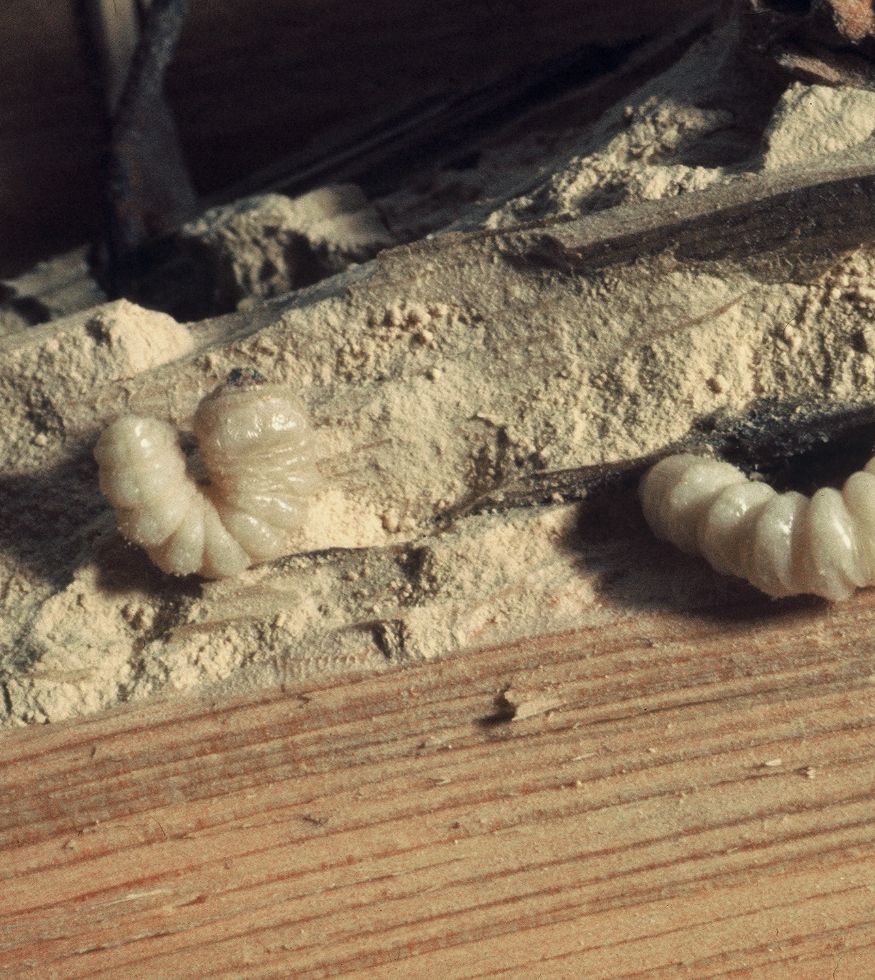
{"type": "Point", "coordinates": [7, 698]}
{"type": "Point", "coordinates": [794, 447]}
{"type": "Point", "coordinates": [797, 8]}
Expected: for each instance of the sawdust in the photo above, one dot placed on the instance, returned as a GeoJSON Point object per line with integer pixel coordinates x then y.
{"type": "Point", "coordinates": [46, 371]}
{"type": "Point", "coordinates": [433, 374]}
{"type": "Point", "coordinates": [268, 245]}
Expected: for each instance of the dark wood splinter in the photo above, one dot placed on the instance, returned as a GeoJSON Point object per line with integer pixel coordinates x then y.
{"type": "Point", "coordinates": [147, 189]}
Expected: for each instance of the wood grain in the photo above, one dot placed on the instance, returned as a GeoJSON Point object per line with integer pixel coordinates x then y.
{"type": "Point", "coordinates": [697, 801]}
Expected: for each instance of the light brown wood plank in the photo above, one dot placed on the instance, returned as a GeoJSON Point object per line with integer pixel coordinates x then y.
{"type": "Point", "coordinates": [700, 802]}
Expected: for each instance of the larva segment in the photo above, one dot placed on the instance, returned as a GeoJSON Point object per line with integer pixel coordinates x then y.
{"type": "Point", "coordinates": [859, 496]}
{"type": "Point", "coordinates": [829, 559]}
{"type": "Point", "coordinates": [151, 526]}
{"type": "Point", "coordinates": [223, 556]}
{"type": "Point", "coordinates": [784, 544]}
{"type": "Point", "coordinates": [139, 460]}
{"type": "Point", "coordinates": [722, 529]}
{"type": "Point", "coordinates": [775, 540]}
{"type": "Point", "coordinates": [256, 537]}
{"type": "Point", "coordinates": [677, 492]}
{"type": "Point", "coordinates": [257, 450]}
{"type": "Point", "coordinates": [286, 514]}
{"type": "Point", "coordinates": [183, 552]}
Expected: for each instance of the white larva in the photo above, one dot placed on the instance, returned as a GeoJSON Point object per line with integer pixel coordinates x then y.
{"type": "Point", "coordinates": [783, 543]}
{"type": "Point", "coordinates": [257, 451]}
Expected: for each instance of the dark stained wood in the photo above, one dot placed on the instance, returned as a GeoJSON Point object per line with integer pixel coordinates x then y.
{"type": "Point", "coordinates": [254, 82]}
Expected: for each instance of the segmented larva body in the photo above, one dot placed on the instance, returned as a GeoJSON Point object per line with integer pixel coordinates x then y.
{"type": "Point", "coordinates": [257, 450]}
{"type": "Point", "coordinates": [783, 543]}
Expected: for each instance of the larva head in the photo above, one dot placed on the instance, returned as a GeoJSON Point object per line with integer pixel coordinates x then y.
{"type": "Point", "coordinates": [247, 417]}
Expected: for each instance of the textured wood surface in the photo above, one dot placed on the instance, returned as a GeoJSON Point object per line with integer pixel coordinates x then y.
{"type": "Point", "coordinates": [687, 792]}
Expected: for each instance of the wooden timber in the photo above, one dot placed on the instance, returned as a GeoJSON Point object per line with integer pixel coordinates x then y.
{"type": "Point", "coordinates": [678, 794]}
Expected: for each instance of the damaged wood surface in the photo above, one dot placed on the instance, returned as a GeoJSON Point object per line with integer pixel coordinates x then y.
{"type": "Point", "coordinates": [693, 799]}
{"type": "Point", "coordinates": [249, 84]}
{"type": "Point", "coordinates": [398, 560]}
{"type": "Point", "coordinates": [789, 228]}
{"type": "Point", "coordinates": [806, 216]}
